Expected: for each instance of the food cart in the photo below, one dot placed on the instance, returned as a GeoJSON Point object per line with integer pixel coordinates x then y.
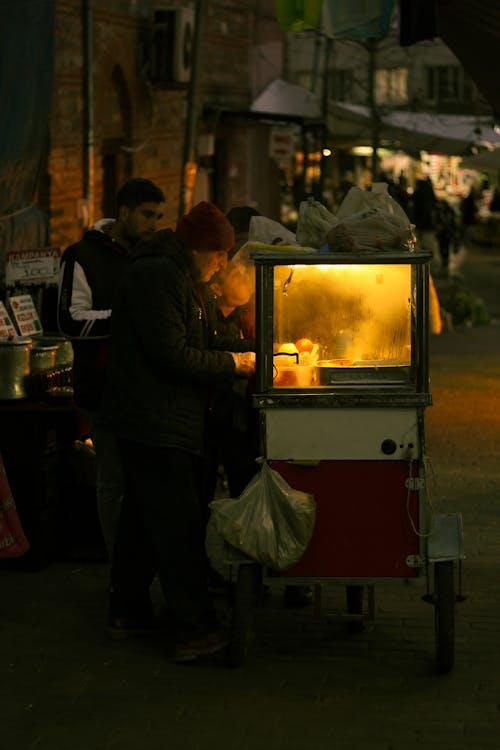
{"type": "Point", "coordinates": [342, 384]}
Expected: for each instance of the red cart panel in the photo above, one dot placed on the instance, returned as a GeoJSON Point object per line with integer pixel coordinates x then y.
{"type": "Point", "coordinates": [363, 528]}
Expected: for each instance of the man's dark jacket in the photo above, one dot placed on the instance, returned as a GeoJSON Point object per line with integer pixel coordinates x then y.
{"type": "Point", "coordinates": [91, 270]}
{"type": "Point", "coordinates": [161, 365]}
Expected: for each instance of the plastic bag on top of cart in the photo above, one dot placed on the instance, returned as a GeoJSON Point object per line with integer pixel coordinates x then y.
{"type": "Point", "coordinates": [270, 521]}
{"type": "Point", "coordinates": [314, 223]}
{"type": "Point", "coordinates": [266, 234]}
{"type": "Point", "coordinates": [371, 230]}
{"type": "Point", "coordinates": [371, 220]}
{"type": "Point", "coordinates": [270, 232]}
{"type": "Point", "coordinates": [358, 201]}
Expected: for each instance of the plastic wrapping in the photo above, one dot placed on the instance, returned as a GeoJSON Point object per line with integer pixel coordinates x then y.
{"type": "Point", "coordinates": [371, 220]}
{"type": "Point", "coordinates": [314, 223]}
{"type": "Point", "coordinates": [371, 230]}
{"type": "Point", "coordinates": [270, 521]}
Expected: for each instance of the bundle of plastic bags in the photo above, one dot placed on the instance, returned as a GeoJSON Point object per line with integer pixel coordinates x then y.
{"type": "Point", "coordinates": [270, 521]}
{"type": "Point", "coordinates": [314, 223]}
{"type": "Point", "coordinates": [366, 220]}
{"type": "Point", "coordinates": [374, 229]}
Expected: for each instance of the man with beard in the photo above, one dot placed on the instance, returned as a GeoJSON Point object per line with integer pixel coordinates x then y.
{"type": "Point", "coordinates": [91, 270]}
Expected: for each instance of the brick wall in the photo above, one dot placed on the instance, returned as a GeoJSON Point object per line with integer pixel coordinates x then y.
{"type": "Point", "coordinates": [139, 126]}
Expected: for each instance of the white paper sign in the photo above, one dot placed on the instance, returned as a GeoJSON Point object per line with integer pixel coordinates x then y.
{"type": "Point", "coordinates": [6, 325]}
{"type": "Point", "coordinates": [40, 265]}
{"type": "Point", "coordinates": [25, 315]}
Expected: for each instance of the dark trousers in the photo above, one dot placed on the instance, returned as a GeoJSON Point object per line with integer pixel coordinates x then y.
{"type": "Point", "coordinates": [160, 531]}
{"type": "Point", "coordinates": [233, 449]}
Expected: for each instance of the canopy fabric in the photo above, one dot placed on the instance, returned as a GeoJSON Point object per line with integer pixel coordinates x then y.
{"type": "Point", "coordinates": [412, 131]}
{"type": "Point", "coordinates": [283, 98]}
{"type": "Point", "coordinates": [26, 73]}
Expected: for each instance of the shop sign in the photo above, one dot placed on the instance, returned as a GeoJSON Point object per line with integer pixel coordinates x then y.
{"type": "Point", "coordinates": [281, 143]}
{"type": "Point", "coordinates": [6, 324]}
{"type": "Point", "coordinates": [25, 314]}
{"type": "Point", "coordinates": [39, 265]}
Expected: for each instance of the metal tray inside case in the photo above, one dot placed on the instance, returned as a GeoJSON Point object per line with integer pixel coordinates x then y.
{"type": "Point", "coordinates": [331, 371]}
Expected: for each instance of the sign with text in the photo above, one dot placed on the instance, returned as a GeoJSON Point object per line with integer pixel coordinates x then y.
{"type": "Point", "coordinates": [6, 325]}
{"type": "Point", "coordinates": [281, 143]}
{"type": "Point", "coordinates": [36, 266]}
{"type": "Point", "coordinates": [25, 314]}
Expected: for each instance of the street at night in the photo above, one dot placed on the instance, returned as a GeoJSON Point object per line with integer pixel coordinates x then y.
{"type": "Point", "coordinates": [306, 683]}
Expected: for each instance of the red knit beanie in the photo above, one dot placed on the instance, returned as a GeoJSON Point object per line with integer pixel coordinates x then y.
{"type": "Point", "coordinates": [205, 228]}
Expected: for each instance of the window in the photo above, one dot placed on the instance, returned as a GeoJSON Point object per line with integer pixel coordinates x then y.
{"type": "Point", "coordinates": [391, 85]}
{"type": "Point", "coordinates": [342, 85]}
{"type": "Point", "coordinates": [449, 83]}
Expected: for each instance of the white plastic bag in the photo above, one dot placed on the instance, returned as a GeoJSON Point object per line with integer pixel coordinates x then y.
{"type": "Point", "coordinates": [371, 220]}
{"type": "Point", "coordinates": [371, 230]}
{"type": "Point", "coordinates": [358, 201]}
{"type": "Point", "coordinates": [314, 222]}
{"type": "Point", "coordinates": [269, 232]}
{"type": "Point", "coordinates": [270, 521]}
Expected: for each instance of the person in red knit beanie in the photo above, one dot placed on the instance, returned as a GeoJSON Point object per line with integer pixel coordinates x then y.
{"type": "Point", "coordinates": [164, 362]}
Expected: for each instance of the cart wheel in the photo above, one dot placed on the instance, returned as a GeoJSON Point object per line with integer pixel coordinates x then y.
{"type": "Point", "coordinates": [245, 597]}
{"type": "Point", "coordinates": [444, 615]}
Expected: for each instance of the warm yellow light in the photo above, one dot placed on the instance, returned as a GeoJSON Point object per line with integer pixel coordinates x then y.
{"type": "Point", "coordinates": [362, 151]}
{"type": "Point", "coordinates": [327, 152]}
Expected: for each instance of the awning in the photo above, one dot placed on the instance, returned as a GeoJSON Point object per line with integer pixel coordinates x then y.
{"type": "Point", "coordinates": [412, 131]}
{"type": "Point", "coordinates": [472, 32]}
{"type": "Point", "coordinates": [286, 99]}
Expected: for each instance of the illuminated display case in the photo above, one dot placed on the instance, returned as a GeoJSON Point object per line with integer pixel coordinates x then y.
{"type": "Point", "coordinates": [342, 323]}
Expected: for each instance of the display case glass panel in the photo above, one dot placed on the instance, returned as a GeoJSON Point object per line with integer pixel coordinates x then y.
{"type": "Point", "coordinates": [339, 323]}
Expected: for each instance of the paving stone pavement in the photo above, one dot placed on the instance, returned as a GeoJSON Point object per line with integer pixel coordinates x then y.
{"type": "Point", "coordinates": [307, 684]}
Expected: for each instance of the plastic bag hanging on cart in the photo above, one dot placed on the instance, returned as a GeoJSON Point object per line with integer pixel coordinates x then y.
{"type": "Point", "coordinates": [270, 521]}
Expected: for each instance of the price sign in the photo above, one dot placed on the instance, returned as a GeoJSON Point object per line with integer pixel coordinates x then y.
{"type": "Point", "coordinates": [6, 325]}
{"type": "Point", "coordinates": [25, 315]}
{"type": "Point", "coordinates": [40, 265]}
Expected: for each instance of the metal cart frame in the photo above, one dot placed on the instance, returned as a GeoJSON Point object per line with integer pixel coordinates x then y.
{"type": "Point", "coordinates": [437, 548]}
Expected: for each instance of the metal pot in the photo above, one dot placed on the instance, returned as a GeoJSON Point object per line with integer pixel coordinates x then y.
{"type": "Point", "coordinates": [14, 367]}
{"type": "Point", "coordinates": [64, 354]}
{"type": "Point", "coordinates": [43, 357]}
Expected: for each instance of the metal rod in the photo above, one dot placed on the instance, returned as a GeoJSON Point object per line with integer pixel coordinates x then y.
{"type": "Point", "coordinates": [192, 105]}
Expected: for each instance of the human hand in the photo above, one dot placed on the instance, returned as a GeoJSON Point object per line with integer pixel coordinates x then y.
{"type": "Point", "coordinates": [244, 363]}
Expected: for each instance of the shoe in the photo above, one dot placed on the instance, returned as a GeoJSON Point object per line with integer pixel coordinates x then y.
{"type": "Point", "coordinates": [202, 645]}
{"type": "Point", "coordinates": [121, 628]}
{"type": "Point", "coordinates": [217, 584]}
{"type": "Point", "coordinates": [298, 596]}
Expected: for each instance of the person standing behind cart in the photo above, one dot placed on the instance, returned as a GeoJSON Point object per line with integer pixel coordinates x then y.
{"type": "Point", "coordinates": [232, 427]}
{"type": "Point", "coordinates": [231, 423]}
{"type": "Point", "coordinates": [162, 366]}
{"type": "Point", "coordinates": [231, 433]}
{"type": "Point", "coordinates": [90, 272]}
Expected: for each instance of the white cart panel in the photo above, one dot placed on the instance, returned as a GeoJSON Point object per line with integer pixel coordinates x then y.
{"type": "Point", "coordinates": [336, 434]}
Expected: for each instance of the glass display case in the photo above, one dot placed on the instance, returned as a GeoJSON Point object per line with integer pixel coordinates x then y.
{"type": "Point", "coordinates": [342, 322]}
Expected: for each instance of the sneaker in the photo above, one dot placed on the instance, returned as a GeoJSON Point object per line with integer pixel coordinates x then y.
{"type": "Point", "coordinates": [121, 628]}
{"type": "Point", "coordinates": [202, 645]}
{"type": "Point", "coordinates": [298, 596]}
